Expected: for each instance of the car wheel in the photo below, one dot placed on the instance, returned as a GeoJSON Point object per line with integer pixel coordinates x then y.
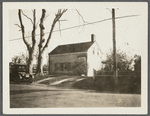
{"type": "Point", "coordinates": [30, 80]}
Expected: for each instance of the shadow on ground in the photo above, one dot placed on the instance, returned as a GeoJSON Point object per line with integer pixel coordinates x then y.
{"type": "Point", "coordinates": [15, 82]}
{"type": "Point", "coordinates": [13, 92]}
{"type": "Point", "coordinates": [127, 85]}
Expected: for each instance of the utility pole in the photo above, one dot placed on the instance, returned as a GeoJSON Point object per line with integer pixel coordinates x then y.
{"type": "Point", "coordinates": [114, 46]}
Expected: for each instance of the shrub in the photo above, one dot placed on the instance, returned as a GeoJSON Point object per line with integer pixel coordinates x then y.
{"type": "Point", "coordinates": [79, 68]}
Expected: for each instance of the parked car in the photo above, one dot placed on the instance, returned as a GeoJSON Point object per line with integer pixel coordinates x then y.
{"type": "Point", "coordinates": [18, 73]}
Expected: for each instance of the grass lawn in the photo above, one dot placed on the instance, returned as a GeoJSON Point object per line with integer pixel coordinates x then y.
{"type": "Point", "coordinates": [106, 84]}
{"type": "Point", "coordinates": [102, 84]}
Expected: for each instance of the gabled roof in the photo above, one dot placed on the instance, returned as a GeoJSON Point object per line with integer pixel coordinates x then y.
{"type": "Point", "coordinates": [71, 48]}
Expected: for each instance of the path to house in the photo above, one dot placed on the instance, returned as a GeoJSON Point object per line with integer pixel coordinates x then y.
{"type": "Point", "coordinates": [66, 80]}
{"type": "Point", "coordinates": [37, 82]}
{"type": "Point", "coordinates": [61, 80]}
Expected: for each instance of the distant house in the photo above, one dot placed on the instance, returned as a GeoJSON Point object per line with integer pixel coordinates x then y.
{"type": "Point", "coordinates": [62, 58]}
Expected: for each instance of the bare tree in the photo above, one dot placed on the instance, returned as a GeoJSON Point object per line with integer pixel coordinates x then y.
{"type": "Point", "coordinates": [30, 46]}
{"type": "Point", "coordinates": [42, 40]}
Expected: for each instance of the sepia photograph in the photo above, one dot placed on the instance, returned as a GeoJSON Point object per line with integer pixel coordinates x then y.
{"type": "Point", "coordinates": [75, 57]}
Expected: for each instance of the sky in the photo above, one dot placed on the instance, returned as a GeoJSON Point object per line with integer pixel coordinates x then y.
{"type": "Point", "coordinates": [131, 32]}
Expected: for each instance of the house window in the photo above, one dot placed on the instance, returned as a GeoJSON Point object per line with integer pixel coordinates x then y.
{"type": "Point", "coordinates": [62, 66]}
{"type": "Point", "coordinates": [69, 66]}
{"type": "Point", "coordinates": [23, 66]}
{"type": "Point", "coordinates": [66, 66]}
{"type": "Point", "coordinates": [93, 50]}
{"type": "Point", "coordinates": [81, 59]}
{"type": "Point", "coordinates": [56, 66]}
{"type": "Point", "coordinates": [98, 53]}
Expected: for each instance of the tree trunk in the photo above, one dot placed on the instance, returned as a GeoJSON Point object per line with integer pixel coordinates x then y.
{"type": "Point", "coordinates": [39, 69]}
{"type": "Point", "coordinates": [30, 47]}
{"type": "Point", "coordinates": [30, 62]}
{"type": "Point", "coordinates": [29, 70]}
{"type": "Point", "coordinates": [42, 40]}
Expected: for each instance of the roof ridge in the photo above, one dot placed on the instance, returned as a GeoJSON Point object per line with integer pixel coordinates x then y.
{"type": "Point", "coordinates": [76, 43]}
{"type": "Point", "coordinates": [71, 48]}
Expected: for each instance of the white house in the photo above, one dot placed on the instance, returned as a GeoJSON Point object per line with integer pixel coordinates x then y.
{"type": "Point", "coordinates": [61, 59]}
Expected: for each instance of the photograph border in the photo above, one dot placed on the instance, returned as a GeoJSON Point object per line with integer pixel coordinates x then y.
{"type": "Point", "coordinates": [5, 81]}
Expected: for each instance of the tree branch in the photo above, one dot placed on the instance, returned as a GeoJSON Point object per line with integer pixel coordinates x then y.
{"type": "Point", "coordinates": [37, 23]}
{"type": "Point", "coordinates": [46, 17]}
{"type": "Point", "coordinates": [57, 17]}
{"type": "Point", "coordinates": [81, 16]}
{"type": "Point", "coordinates": [109, 10]}
{"type": "Point", "coordinates": [59, 28]}
{"type": "Point", "coordinates": [41, 29]}
{"type": "Point", "coordinates": [27, 17]}
{"type": "Point", "coordinates": [59, 14]}
{"type": "Point", "coordinates": [18, 25]}
{"type": "Point", "coordinates": [63, 20]}
{"type": "Point", "coordinates": [60, 24]}
{"type": "Point", "coordinates": [82, 19]}
{"type": "Point", "coordinates": [34, 28]}
{"type": "Point", "coordinates": [23, 30]}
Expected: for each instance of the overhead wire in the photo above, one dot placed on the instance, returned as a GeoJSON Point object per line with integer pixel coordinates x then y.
{"type": "Point", "coordinates": [80, 26]}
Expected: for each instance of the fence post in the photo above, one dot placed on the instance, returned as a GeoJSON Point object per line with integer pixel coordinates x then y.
{"type": "Point", "coordinates": [93, 74]}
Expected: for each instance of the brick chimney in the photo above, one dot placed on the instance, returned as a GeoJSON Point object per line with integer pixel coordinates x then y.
{"type": "Point", "coordinates": [92, 38]}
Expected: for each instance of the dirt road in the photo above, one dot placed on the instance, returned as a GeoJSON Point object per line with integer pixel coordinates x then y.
{"type": "Point", "coordinates": [33, 96]}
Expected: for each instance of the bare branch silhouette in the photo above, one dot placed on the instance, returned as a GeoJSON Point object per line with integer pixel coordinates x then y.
{"type": "Point", "coordinates": [81, 16]}
{"type": "Point", "coordinates": [57, 17]}
{"type": "Point", "coordinates": [27, 17]}
{"type": "Point", "coordinates": [18, 25]}
{"type": "Point", "coordinates": [108, 9]}
{"type": "Point", "coordinates": [23, 30]}
{"type": "Point", "coordinates": [63, 20]}
{"type": "Point", "coordinates": [59, 28]}
{"type": "Point", "coordinates": [46, 17]}
{"type": "Point", "coordinates": [84, 22]}
{"type": "Point", "coordinates": [37, 23]}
